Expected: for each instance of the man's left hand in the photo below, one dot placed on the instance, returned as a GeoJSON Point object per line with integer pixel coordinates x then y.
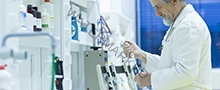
{"type": "Point", "coordinates": [143, 80]}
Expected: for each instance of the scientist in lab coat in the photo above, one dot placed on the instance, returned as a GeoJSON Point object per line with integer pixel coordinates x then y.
{"type": "Point", "coordinates": [185, 61]}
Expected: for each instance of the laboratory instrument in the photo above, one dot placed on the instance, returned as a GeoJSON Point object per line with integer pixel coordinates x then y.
{"type": "Point", "coordinates": [116, 80]}
{"type": "Point", "coordinates": [93, 58]}
{"type": "Point", "coordinates": [102, 71]}
{"type": "Point", "coordinates": [109, 78]}
{"type": "Point", "coordinates": [59, 73]}
{"type": "Point", "coordinates": [53, 45]}
{"type": "Point", "coordinates": [129, 78]}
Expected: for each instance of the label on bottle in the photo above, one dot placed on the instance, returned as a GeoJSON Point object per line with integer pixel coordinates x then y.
{"type": "Point", "coordinates": [45, 25]}
{"type": "Point", "coordinates": [34, 21]}
{"type": "Point", "coordinates": [39, 25]}
{"type": "Point", "coordinates": [45, 22]}
{"type": "Point", "coordinates": [29, 22]}
{"type": "Point", "coordinates": [51, 21]}
{"type": "Point", "coordinates": [23, 19]}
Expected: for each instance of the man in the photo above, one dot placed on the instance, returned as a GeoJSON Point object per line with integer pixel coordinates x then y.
{"type": "Point", "coordinates": [185, 61]}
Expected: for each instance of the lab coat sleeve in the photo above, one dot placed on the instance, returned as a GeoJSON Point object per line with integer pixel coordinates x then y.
{"type": "Point", "coordinates": [152, 61]}
{"type": "Point", "coordinates": [185, 52]}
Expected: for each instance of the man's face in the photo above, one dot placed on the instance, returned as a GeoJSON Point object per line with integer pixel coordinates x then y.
{"type": "Point", "coordinates": [164, 11]}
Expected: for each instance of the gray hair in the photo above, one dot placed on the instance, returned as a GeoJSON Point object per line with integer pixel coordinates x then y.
{"type": "Point", "coordinates": [167, 1]}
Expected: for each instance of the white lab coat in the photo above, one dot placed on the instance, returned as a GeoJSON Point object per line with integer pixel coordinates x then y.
{"type": "Point", "coordinates": [185, 61]}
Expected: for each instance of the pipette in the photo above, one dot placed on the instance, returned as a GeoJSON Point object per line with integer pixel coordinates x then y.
{"type": "Point", "coordinates": [133, 58]}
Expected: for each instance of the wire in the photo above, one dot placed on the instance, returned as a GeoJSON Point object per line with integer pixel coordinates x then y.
{"type": "Point", "coordinates": [103, 40]}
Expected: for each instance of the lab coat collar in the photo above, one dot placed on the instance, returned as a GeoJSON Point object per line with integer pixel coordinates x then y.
{"type": "Point", "coordinates": [186, 10]}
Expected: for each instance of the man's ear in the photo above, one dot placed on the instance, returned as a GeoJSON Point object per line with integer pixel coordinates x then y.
{"type": "Point", "coordinates": [175, 2]}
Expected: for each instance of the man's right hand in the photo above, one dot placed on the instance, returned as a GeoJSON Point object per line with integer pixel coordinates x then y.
{"type": "Point", "coordinates": [129, 47]}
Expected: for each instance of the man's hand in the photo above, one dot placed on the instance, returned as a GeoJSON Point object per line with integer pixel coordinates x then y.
{"type": "Point", "coordinates": [143, 79]}
{"type": "Point", "coordinates": [132, 47]}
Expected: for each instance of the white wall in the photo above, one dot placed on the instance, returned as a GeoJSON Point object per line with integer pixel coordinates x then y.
{"type": "Point", "coordinates": [125, 7]}
{"type": "Point", "coordinates": [128, 9]}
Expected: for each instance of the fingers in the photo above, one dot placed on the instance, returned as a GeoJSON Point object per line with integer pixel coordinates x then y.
{"type": "Point", "coordinates": [129, 42]}
{"type": "Point", "coordinates": [127, 49]}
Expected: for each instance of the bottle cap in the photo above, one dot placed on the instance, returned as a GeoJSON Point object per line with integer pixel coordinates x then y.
{"type": "Point", "coordinates": [34, 12]}
{"type": "Point", "coordinates": [57, 58]}
{"type": "Point", "coordinates": [29, 8]}
{"type": "Point", "coordinates": [35, 8]}
{"type": "Point", "coordinates": [3, 67]}
{"type": "Point", "coordinates": [46, 0]}
{"type": "Point", "coordinates": [38, 14]}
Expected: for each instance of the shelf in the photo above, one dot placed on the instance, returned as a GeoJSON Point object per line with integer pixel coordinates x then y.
{"type": "Point", "coordinates": [75, 45]}
{"type": "Point", "coordinates": [35, 41]}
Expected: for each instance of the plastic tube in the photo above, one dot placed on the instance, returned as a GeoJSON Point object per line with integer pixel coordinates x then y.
{"type": "Point", "coordinates": [21, 54]}
{"type": "Point", "coordinates": [6, 53]}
